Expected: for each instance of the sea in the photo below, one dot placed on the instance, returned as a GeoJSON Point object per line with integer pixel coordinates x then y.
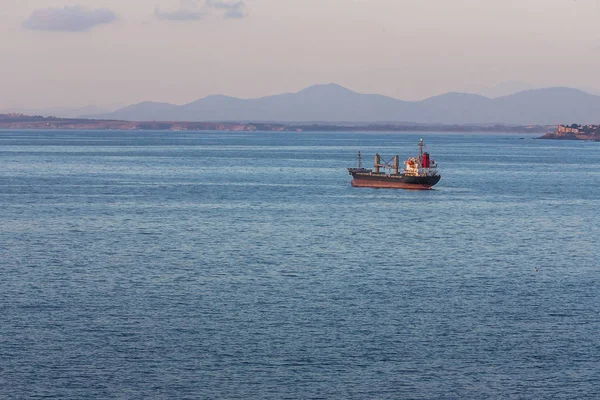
{"type": "Point", "coordinates": [243, 265]}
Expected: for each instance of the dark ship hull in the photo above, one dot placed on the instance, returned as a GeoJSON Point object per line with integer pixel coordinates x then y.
{"type": "Point", "coordinates": [391, 181]}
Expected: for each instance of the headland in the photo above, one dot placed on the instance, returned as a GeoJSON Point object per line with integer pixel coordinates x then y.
{"type": "Point", "coordinates": [574, 132]}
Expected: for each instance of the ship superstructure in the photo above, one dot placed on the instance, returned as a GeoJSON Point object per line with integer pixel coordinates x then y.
{"type": "Point", "coordinates": [419, 173]}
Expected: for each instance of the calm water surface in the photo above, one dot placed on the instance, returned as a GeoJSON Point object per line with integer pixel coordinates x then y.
{"type": "Point", "coordinates": [244, 266]}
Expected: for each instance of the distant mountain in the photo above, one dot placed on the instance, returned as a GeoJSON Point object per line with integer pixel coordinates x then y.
{"type": "Point", "coordinates": [454, 108]}
{"type": "Point", "coordinates": [317, 103]}
{"type": "Point", "coordinates": [502, 89]}
{"type": "Point", "coordinates": [551, 105]}
{"type": "Point", "coordinates": [334, 103]}
{"type": "Point", "coordinates": [146, 111]}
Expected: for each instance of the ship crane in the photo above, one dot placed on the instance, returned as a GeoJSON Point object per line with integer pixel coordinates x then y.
{"type": "Point", "coordinates": [395, 164]}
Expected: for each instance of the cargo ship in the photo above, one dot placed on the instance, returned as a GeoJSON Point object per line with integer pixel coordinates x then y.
{"type": "Point", "coordinates": [420, 172]}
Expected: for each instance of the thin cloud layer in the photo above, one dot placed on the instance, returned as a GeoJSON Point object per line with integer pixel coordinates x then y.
{"type": "Point", "coordinates": [191, 10]}
{"type": "Point", "coordinates": [232, 9]}
{"type": "Point", "coordinates": [180, 15]}
{"type": "Point", "coordinates": [68, 19]}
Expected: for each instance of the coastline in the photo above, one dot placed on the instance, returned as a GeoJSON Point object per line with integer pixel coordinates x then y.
{"type": "Point", "coordinates": [21, 122]}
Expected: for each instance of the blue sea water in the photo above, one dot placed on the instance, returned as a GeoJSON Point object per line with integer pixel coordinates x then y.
{"type": "Point", "coordinates": [223, 265]}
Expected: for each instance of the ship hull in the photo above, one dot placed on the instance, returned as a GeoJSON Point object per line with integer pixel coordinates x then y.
{"type": "Point", "coordinates": [394, 181]}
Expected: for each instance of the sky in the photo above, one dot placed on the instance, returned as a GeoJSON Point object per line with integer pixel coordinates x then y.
{"type": "Point", "coordinates": [71, 53]}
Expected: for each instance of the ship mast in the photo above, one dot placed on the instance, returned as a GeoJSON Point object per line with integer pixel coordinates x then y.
{"type": "Point", "coordinates": [359, 160]}
{"type": "Point", "coordinates": [421, 153]}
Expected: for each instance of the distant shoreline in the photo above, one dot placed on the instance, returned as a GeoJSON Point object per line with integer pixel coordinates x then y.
{"type": "Point", "coordinates": [19, 121]}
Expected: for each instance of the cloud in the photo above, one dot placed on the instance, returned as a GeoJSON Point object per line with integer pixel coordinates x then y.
{"type": "Point", "coordinates": [194, 10]}
{"type": "Point", "coordinates": [180, 15]}
{"type": "Point", "coordinates": [68, 19]}
{"type": "Point", "coordinates": [232, 9]}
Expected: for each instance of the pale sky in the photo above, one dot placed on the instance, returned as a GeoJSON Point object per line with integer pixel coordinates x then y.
{"type": "Point", "coordinates": [56, 53]}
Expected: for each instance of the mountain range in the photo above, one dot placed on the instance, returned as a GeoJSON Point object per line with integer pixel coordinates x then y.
{"type": "Point", "coordinates": [334, 103]}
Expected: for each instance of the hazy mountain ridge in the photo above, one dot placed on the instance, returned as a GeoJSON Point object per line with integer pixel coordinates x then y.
{"type": "Point", "coordinates": [332, 102]}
